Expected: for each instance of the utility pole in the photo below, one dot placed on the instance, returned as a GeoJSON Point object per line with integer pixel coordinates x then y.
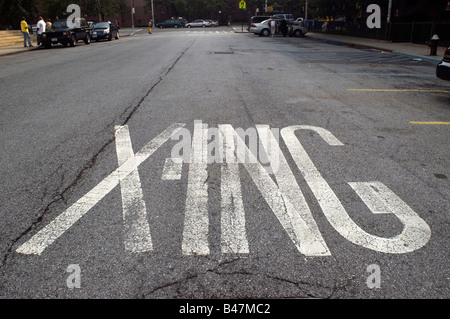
{"type": "Point", "coordinates": [153, 14]}
{"type": "Point", "coordinates": [306, 10]}
{"type": "Point", "coordinates": [132, 14]}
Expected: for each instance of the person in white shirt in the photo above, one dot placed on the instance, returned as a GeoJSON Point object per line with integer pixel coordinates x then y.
{"type": "Point", "coordinates": [40, 29]}
{"type": "Point", "coordinates": [272, 26]}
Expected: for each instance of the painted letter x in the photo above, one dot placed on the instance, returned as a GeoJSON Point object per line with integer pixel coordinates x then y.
{"type": "Point", "coordinates": [125, 174]}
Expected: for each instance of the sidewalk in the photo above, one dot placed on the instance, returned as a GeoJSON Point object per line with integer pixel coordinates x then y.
{"type": "Point", "coordinates": [420, 51]}
{"type": "Point", "coordinates": [7, 50]}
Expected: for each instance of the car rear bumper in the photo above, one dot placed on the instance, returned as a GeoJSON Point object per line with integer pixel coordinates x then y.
{"type": "Point", "coordinates": [443, 70]}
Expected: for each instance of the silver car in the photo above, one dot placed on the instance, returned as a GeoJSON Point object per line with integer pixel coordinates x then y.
{"type": "Point", "coordinates": [198, 23]}
{"type": "Point", "coordinates": [263, 29]}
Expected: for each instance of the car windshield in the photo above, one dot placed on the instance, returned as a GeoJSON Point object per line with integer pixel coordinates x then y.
{"type": "Point", "coordinates": [101, 25]}
{"type": "Point", "coordinates": [60, 24]}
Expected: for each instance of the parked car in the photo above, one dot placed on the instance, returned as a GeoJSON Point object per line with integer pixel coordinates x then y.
{"type": "Point", "coordinates": [256, 19]}
{"type": "Point", "coordinates": [443, 68]}
{"type": "Point", "coordinates": [105, 30]}
{"type": "Point", "coordinates": [169, 23]}
{"type": "Point", "coordinates": [199, 23]}
{"type": "Point", "coordinates": [263, 29]}
{"type": "Point", "coordinates": [183, 21]}
{"type": "Point", "coordinates": [213, 23]}
{"type": "Point", "coordinates": [66, 35]}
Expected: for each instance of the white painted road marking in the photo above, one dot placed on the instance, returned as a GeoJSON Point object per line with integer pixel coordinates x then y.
{"type": "Point", "coordinates": [284, 196]}
{"type": "Point", "coordinates": [416, 233]}
{"type": "Point", "coordinates": [285, 199]}
{"type": "Point", "coordinates": [308, 238]}
{"type": "Point", "coordinates": [232, 214]}
{"type": "Point", "coordinates": [46, 236]}
{"type": "Point", "coordinates": [172, 169]}
{"type": "Point", "coordinates": [137, 236]}
{"type": "Point", "coordinates": [196, 220]}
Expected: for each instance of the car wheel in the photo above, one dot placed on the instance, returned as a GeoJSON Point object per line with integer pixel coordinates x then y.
{"type": "Point", "coordinates": [175, 26]}
{"type": "Point", "coordinates": [160, 27]}
{"type": "Point", "coordinates": [189, 26]}
{"type": "Point", "coordinates": [265, 32]}
{"type": "Point", "coordinates": [87, 40]}
{"type": "Point", "coordinates": [47, 45]}
{"type": "Point", "coordinates": [298, 33]}
{"type": "Point", "coordinates": [110, 37]}
{"type": "Point", "coordinates": [73, 41]}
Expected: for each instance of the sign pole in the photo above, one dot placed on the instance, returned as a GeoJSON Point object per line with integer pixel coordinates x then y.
{"type": "Point", "coordinates": [306, 10]}
{"type": "Point", "coordinates": [153, 14]}
{"type": "Point", "coordinates": [132, 15]}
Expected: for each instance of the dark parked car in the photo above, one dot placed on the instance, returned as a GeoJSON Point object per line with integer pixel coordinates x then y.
{"type": "Point", "coordinates": [104, 31]}
{"type": "Point", "coordinates": [183, 21]}
{"type": "Point", "coordinates": [65, 34]}
{"type": "Point", "coordinates": [169, 23]}
{"type": "Point", "coordinates": [443, 68]}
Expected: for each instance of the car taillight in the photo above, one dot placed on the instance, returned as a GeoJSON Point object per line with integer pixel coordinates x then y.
{"type": "Point", "coordinates": [447, 55]}
{"type": "Point", "coordinates": [252, 26]}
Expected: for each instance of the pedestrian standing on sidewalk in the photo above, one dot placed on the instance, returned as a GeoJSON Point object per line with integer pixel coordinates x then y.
{"type": "Point", "coordinates": [272, 24]}
{"type": "Point", "coordinates": [150, 25]}
{"type": "Point", "coordinates": [48, 25]}
{"type": "Point", "coordinates": [284, 27]}
{"type": "Point", "coordinates": [40, 29]}
{"type": "Point", "coordinates": [25, 32]}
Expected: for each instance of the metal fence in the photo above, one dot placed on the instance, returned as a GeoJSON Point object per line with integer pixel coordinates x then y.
{"type": "Point", "coordinates": [415, 32]}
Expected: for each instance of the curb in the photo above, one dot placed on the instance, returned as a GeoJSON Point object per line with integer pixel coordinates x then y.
{"type": "Point", "coordinates": [366, 46]}
{"type": "Point", "coordinates": [418, 56]}
{"type": "Point", "coordinates": [23, 50]}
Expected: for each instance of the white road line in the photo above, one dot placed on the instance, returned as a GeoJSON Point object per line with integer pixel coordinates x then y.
{"type": "Point", "coordinates": [308, 238]}
{"type": "Point", "coordinates": [46, 236]}
{"type": "Point", "coordinates": [381, 200]}
{"type": "Point", "coordinates": [285, 203]}
{"type": "Point", "coordinates": [196, 220]}
{"type": "Point", "coordinates": [137, 236]}
{"type": "Point", "coordinates": [172, 169]}
{"type": "Point", "coordinates": [413, 236]}
{"type": "Point", "coordinates": [232, 216]}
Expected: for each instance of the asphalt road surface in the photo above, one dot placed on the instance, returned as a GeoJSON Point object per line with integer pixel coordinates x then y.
{"type": "Point", "coordinates": [126, 173]}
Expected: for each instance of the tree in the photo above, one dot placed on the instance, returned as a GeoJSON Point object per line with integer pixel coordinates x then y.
{"type": "Point", "coordinates": [11, 11]}
{"type": "Point", "coordinates": [193, 9]}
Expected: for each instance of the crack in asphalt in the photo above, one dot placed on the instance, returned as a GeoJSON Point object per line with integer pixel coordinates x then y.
{"type": "Point", "coordinates": [87, 166]}
{"type": "Point", "coordinates": [301, 285]}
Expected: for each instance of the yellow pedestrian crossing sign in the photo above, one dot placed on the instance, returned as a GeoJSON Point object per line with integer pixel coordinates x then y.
{"type": "Point", "coordinates": [242, 5]}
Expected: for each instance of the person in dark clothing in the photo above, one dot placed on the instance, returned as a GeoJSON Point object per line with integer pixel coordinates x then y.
{"type": "Point", "coordinates": [284, 27]}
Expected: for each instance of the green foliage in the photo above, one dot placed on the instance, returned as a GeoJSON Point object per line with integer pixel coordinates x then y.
{"type": "Point", "coordinates": [12, 11]}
